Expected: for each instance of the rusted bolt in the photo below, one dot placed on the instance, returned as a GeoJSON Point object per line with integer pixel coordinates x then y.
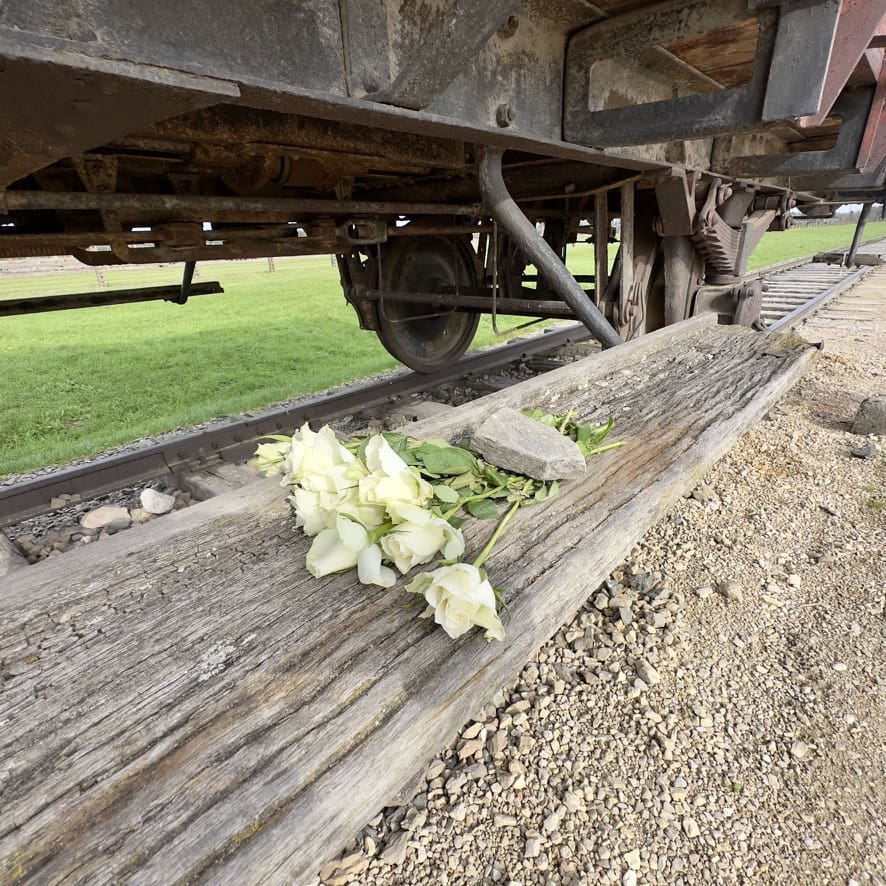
{"type": "Point", "coordinates": [371, 81]}
{"type": "Point", "coordinates": [505, 115]}
{"type": "Point", "coordinates": [509, 28]}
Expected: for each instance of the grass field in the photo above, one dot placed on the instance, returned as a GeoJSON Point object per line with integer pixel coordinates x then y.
{"type": "Point", "coordinates": [76, 382]}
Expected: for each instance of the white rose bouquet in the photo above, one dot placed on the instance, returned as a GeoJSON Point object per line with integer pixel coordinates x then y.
{"type": "Point", "coordinates": [390, 501]}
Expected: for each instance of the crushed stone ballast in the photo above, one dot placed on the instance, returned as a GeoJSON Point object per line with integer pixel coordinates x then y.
{"type": "Point", "coordinates": [187, 703]}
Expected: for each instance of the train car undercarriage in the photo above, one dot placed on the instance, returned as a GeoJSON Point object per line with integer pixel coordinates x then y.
{"type": "Point", "coordinates": [449, 153]}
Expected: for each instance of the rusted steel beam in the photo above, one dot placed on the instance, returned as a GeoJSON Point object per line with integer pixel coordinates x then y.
{"type": "Point", "coordinates": [230, 134]}
{"type": "Point", "coordinates": [800, 59]}
{"type": "Point", "coordinates": [204, 207]}
{"type": "Point", "coordinates": [854, 108]}
{"type": "Point", "coordinates": [56, 111]}
{"type": "Point", "coordinates": [523, 307]}
{"type": "Point", "coordinates": [685, 117]}
{"type": "Point", "coordinates": [873, 143]}
{"type": "Point", "coordinates": [16, 306]}
{"type": "Point", "coordinates": [789, 78]}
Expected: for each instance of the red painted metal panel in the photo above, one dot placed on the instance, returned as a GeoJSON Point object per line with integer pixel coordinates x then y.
{"type": "Point", "coordinates": [860, 20]}
{"type": "Point", "coordinates": [873, 142]}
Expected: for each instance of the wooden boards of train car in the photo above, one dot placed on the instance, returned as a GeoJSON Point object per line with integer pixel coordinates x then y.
{"type": "Point", "coordinates": [184, 702]}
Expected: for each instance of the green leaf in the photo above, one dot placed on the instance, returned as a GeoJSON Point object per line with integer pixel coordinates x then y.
{"type": "Point", "coordinates": [457, 522]}
{"type": "Point", "coordinates": [598, 434]}
{"type": "Point", "coordinates": [462, 482]}
{"type": "Point", "coordinates": [400, 445]}
{"type": "Point", "coordinates": [496, 477]}
{"type": "Point", "coordinates": [446, 493]}
{"type": "Point", "coordinates": [280, 438]}
{"type": "Point", "coordinates": [448, 460]}
{"type": "Point", "coordinates": [438, 442]}
{"type": "Point", "coordinates": [483, 509]}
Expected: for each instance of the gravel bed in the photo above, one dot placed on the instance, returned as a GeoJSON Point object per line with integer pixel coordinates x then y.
{"type": "Point", "coordinates": [441, 394]}
{"type": "Point", "coordinates": [57, 531]}
{"type": "Point", "coordinates": [715, 712]}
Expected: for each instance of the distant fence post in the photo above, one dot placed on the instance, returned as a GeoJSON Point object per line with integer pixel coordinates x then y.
{"type": "Point", "coordinates": [270, 264]}
{"type": "Point", "coordinates": [100, 276]}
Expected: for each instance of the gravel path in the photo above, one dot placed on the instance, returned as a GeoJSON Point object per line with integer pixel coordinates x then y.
{"type": "Point", "coordinates": [715, 712]}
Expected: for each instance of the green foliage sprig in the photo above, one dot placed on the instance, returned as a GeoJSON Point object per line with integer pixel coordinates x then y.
{"type": "Point", "coordinates": [589, 437]}
{"type": "Point", "coordinates": [463, 483]}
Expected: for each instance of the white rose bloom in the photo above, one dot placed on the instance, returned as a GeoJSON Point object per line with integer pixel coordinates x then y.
{"type": "Point", "coordinates": [459, 597]}
{"type": "Point", "coordinates": [351, 505]}
{"type": "Point", "coordinates": [318, 462]}
{"type": "Point", "coordinates": [270, 457]}
{"type": "Point", "coordinates": [337, 548]}
{"type": "Point", "coordinates": [417, 537]}
{"type": "Point", "coordinates": [371, 572]}
{"type": "Point", "coordinates": [390, 478]}
{"type": "Point", "coordinates": [314, 511]}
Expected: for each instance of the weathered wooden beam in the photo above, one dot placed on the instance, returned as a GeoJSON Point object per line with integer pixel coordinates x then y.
{"type": "Point", "coordinates": [183, 702]}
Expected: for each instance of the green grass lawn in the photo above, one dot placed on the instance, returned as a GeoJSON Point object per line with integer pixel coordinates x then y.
{"type": "Point", "coordinates": [76, 382]}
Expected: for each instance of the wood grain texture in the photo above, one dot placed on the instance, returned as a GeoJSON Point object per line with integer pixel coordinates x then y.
{"type": "Point", "coordinates": [726, 54]}
{"type": "Point", "coordinates": [183, 702]}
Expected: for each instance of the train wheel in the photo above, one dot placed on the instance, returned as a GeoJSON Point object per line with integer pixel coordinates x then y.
{"type": "Point", "coordinates": [426, 339]}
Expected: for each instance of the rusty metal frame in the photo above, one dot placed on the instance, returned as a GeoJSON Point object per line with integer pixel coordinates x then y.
{"type": "Point", "coordinates": [13, 307]}
{"type": "Point", "coordinates": [790, 33]}
{"type": "Point", "coordinates": [473, 300]}
{"type": "Point", "coordinates": [854, 109]}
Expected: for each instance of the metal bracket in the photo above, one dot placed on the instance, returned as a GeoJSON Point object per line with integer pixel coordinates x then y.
{"type": "Point", "coordinates": [854, 108]}
{"type": "Point", "coordinates": [362, 231]}
{"type": "Point", "coordinates": [787, 82]}
{"type": "Point", "coordinates": [675, 193]}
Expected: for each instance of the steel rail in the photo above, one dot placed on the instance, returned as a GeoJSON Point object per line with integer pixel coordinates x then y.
{"type": "Point", "coordinates": [817, 302]}
{"type": "Point", "coordinates": [236, 440]}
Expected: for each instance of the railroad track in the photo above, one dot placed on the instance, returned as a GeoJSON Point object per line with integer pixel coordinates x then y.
{"type": "Point", "coordinates": [235, 441]}
{"type": "Point", "coordinates": [794, 290]}
{"type": "Point", "coordinates": [797, 293]}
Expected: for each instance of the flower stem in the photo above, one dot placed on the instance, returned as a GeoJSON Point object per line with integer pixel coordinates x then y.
{"type": "Point", "coordinates": [481, 557]}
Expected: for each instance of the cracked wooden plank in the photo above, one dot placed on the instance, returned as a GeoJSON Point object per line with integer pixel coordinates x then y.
{"type": "Point", "coordinates": [183, 702]}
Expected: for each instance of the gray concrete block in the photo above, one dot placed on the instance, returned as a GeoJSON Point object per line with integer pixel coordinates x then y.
{"type": "Point", "coordinates": [871, 417]}
{"type": "Point", "coordinates": [523, 445]}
